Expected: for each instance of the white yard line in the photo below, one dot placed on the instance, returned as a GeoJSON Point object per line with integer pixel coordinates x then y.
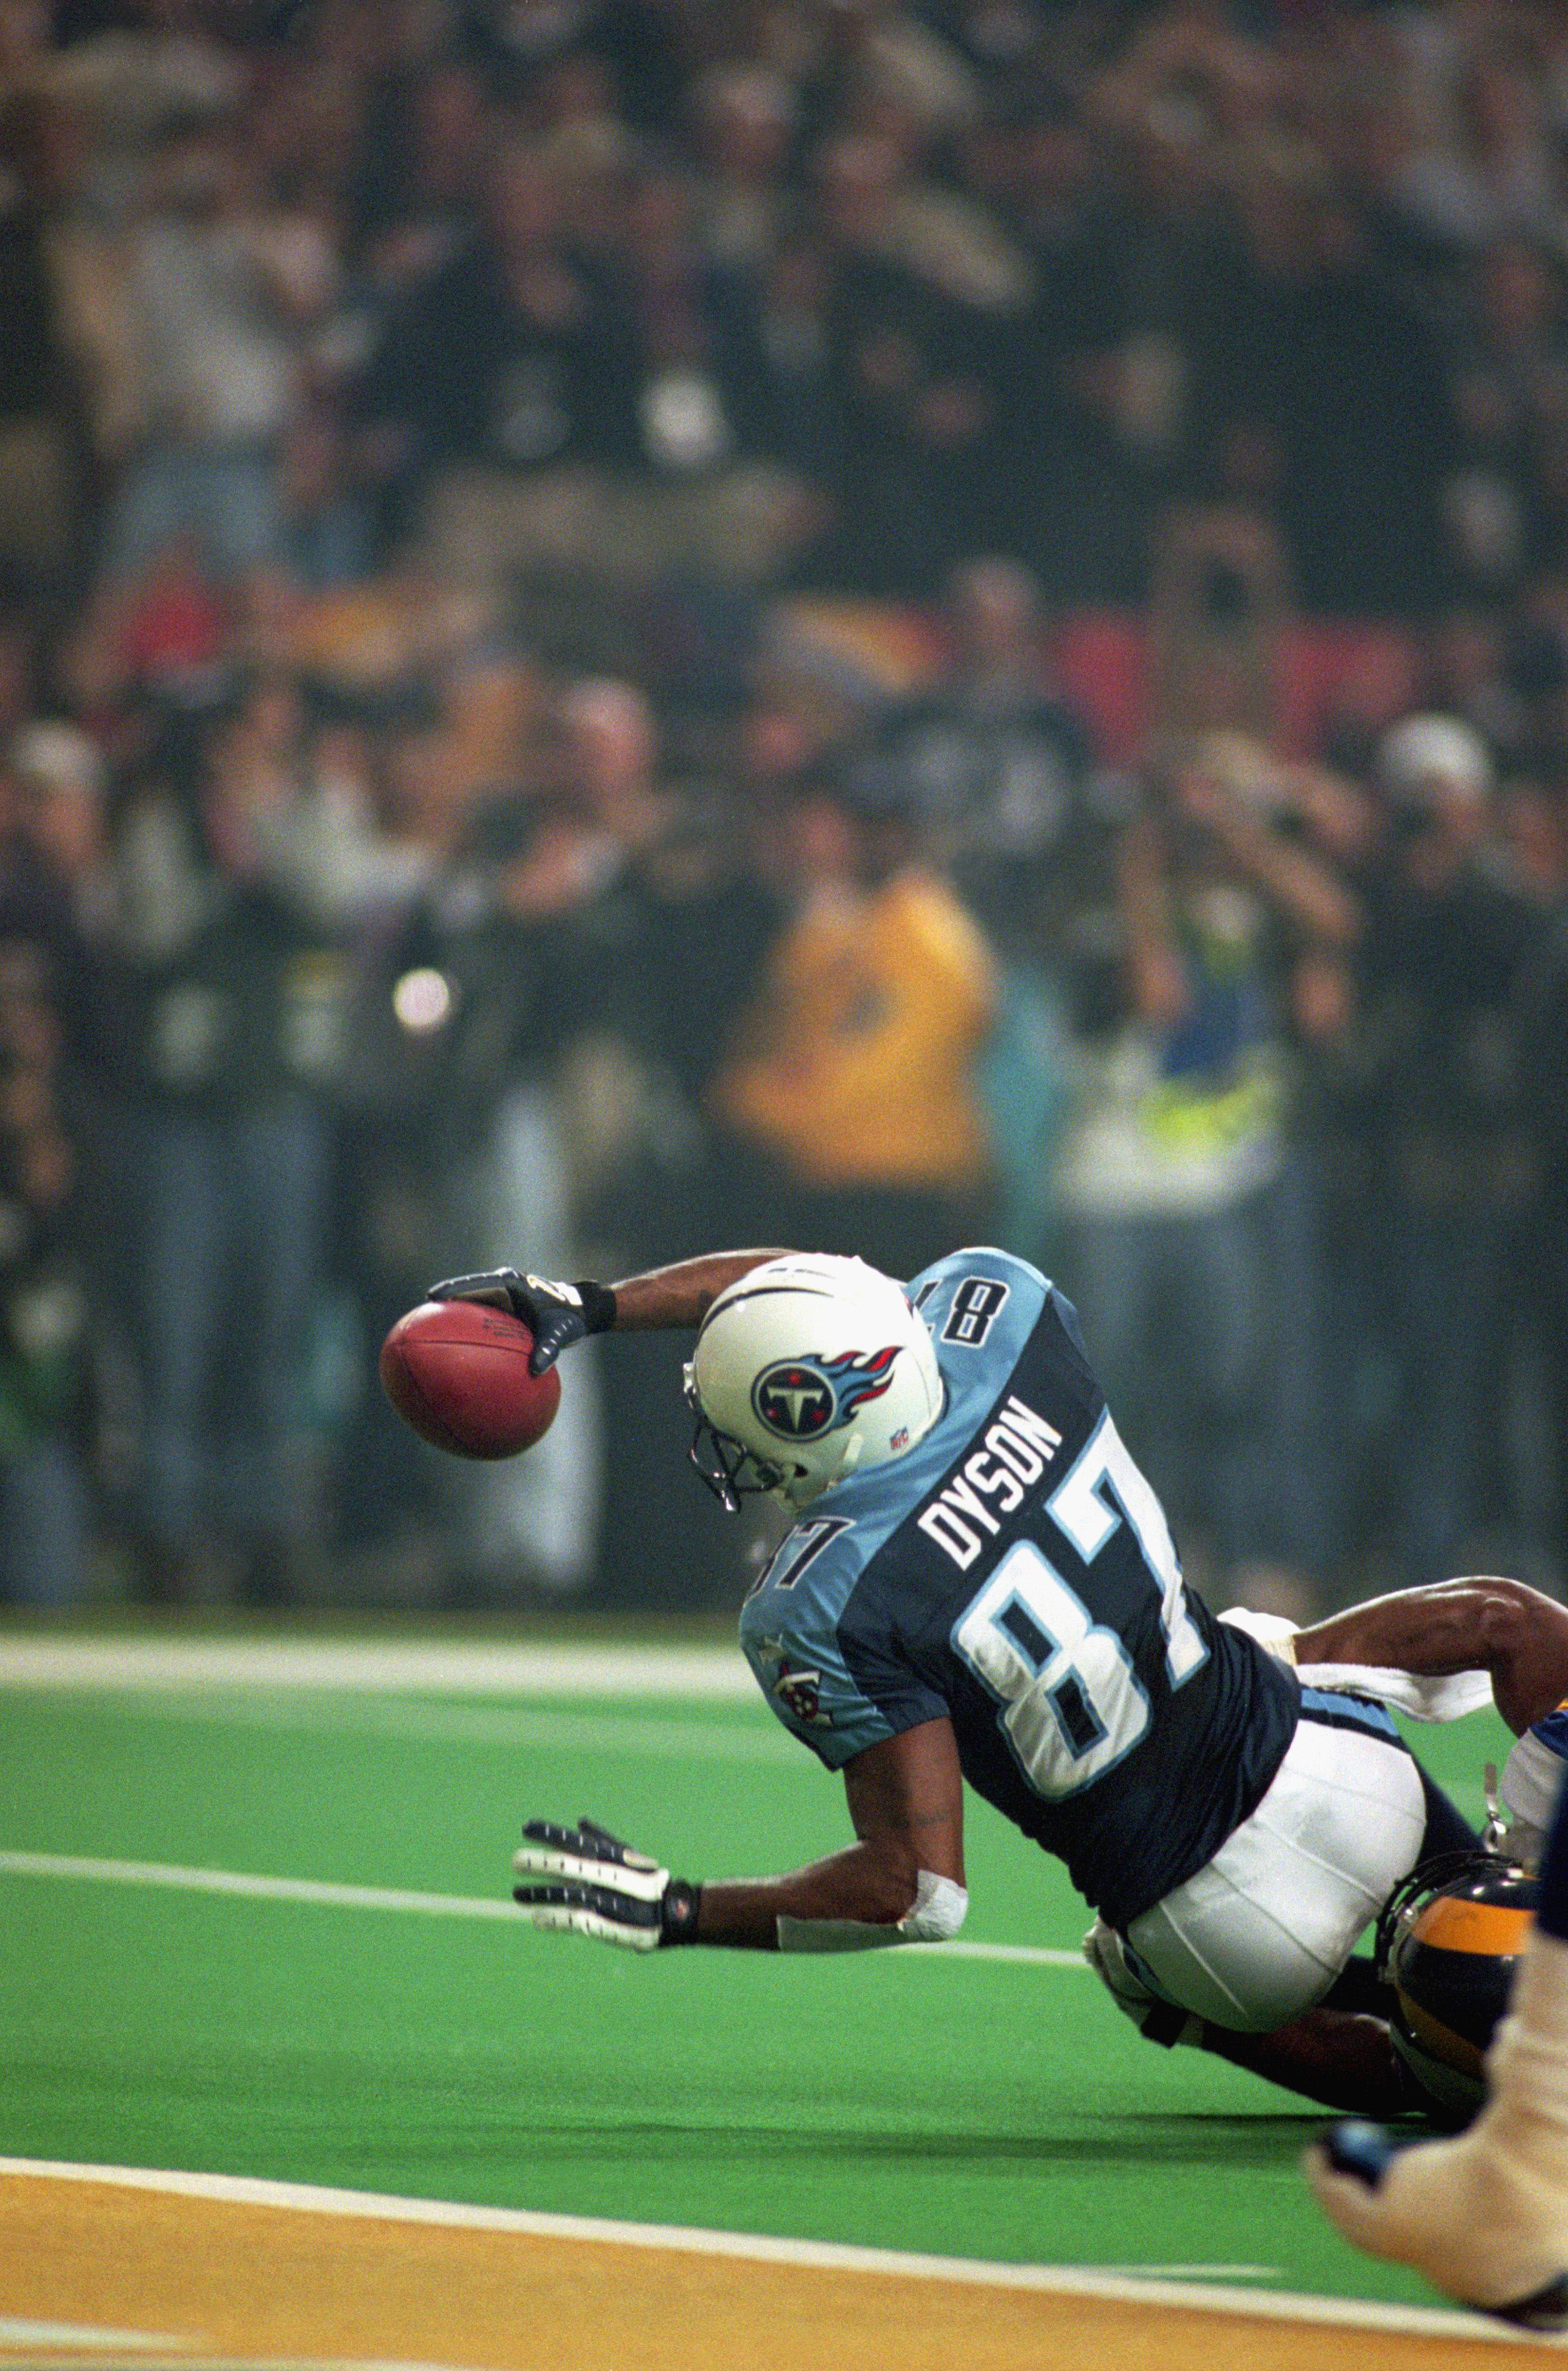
{"type": "Point", "coordinates": [325, 1893]}
{"type": "Point", "coordinates": [500, 1726]}
{"type": "Point", "coordinates": [1120, 2284]}
{"type": "Point", "coordinates": [322, 1892]}
{"type": "Point", "coordinates": [470, 1668]}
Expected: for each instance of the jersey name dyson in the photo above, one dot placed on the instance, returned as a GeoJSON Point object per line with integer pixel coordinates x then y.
{"type": "Point", "coordinates": [992, 1481]}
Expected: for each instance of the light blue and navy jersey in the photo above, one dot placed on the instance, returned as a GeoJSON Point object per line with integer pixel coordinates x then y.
{"type": "Point", "coordinates": [1014, 1572]}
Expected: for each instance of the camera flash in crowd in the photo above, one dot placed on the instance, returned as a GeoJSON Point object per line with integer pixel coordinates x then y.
{"type": "Point", "coordinates": [422, 1000]}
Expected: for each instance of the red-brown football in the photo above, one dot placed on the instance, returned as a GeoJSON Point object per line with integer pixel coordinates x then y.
{"type": "Point", "coordinates": [459, 1372]}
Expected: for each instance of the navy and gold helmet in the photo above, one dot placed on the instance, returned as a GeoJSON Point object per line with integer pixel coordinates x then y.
{"type": "Point", "coordinates": [1448, 1944]}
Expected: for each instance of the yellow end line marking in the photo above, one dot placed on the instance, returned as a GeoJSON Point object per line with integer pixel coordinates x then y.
{"type": "Point", "coordinates": [1056, 2280]}
{"type": "Point", "coordinates": [327, 1894]}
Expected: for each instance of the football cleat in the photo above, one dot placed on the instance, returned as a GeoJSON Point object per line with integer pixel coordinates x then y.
{"type": "Point", "coordinates": [1438, 2206]}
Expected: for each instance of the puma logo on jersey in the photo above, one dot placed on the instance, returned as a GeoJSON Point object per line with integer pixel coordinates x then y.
{"type": "Point", "coordinates": [992, 1482]}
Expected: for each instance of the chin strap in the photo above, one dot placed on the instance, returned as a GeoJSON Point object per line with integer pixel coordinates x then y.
{"type": "Point", "coordinates": [855, 1450]}
{"type": "Point", "coordinates": [789, 1492]}
{"type": "Point", "coordinates": [935, 1916]}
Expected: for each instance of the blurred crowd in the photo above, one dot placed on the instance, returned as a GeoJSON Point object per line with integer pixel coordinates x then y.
{"type": "Point", "coordinates": [628, 625]}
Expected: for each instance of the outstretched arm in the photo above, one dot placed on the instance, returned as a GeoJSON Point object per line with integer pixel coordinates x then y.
{"type": "Point", "coordinates": [906, 1800]}
{"type": "Point", "coordinates": [558, 1314]}
{"type": "Point", "coordinates": [682, 1295]}
{"type": "Point", "coordinates": [1483, 1623]}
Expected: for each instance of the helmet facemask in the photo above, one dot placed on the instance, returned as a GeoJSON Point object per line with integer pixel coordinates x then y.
{"type": "Point", "coordinates": [730, 1470]}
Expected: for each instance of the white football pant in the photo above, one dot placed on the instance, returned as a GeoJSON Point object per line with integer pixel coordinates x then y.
{"type": "Point", "coordinates": [1258, 1935]}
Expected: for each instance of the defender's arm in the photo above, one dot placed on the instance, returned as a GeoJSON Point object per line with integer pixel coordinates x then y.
{"type": "Point", "coordinates": [1483, 1623]}
{"type": "Point", "coordinates": [1341, 2058]}
{"type": "Point", "coordinates": [901, 1881]}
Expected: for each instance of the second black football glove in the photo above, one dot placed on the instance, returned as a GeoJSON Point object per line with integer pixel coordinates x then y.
{"type": "Point", "coordinates": [583, 1881]}
{"type": "Point", "coordinates": [1156, 2020]}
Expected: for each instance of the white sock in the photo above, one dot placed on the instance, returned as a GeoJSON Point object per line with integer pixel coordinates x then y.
{"type": "Point", "coordinates": [1484, 2216]}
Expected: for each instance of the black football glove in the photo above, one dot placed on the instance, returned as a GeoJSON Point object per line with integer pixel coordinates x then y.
{"type": "Point", "coordinates": [593, 1884]}
{"type": "Point", "coordinates": [555, 1314]}
{"type": "Point", "coordinates": [1155, 2020]}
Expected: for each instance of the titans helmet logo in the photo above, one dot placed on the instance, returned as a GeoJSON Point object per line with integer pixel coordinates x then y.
{"type": "Point", "coordinates": [800, 1399]}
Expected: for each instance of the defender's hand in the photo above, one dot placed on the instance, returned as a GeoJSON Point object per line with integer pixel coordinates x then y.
{"type": "Point", "coordinates": [583, 1881]}
{"type": "Point", "coordinates": [1155, 2020]}
{"type": "Point", "coordinates": [556, 1314]}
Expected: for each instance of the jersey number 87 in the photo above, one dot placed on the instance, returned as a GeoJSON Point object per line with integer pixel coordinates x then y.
{"type": "Point", "coordinates": [1073, 1706]}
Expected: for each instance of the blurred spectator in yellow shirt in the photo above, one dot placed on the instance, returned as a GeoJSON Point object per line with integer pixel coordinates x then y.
{"type": "Point", "coordinates": [853, 1079]}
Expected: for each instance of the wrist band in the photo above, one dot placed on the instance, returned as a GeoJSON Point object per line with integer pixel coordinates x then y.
{"type": "Point", "coordinates": [678, 1910]}
{"type": "Point", "coordinates": [935, 1916]}
{"type": "Point", "coordinates": [599, 1305]}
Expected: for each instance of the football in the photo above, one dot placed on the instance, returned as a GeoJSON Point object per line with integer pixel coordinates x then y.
{"type": "Point", "coordinates": [458, 1371]}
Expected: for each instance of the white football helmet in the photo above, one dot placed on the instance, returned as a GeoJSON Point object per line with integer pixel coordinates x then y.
{"type": "Point", "coordinates": [809, 1368]}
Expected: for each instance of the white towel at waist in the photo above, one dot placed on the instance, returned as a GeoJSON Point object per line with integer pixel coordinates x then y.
{"type": "Point", "coordinates": [1449, 1699]}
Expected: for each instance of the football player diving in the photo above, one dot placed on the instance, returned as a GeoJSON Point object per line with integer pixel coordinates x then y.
{"type": "Point", "coordinates": [980, 1584]}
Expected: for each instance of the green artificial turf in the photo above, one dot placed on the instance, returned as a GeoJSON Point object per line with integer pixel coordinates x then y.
{"type": "Point", "coordinates": [998, 2111]}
